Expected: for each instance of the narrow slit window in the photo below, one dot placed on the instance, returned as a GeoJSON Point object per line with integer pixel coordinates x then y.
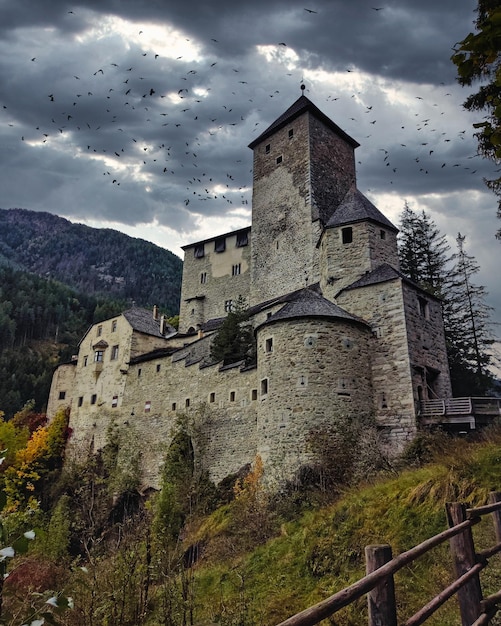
{"type": "Point", "coordinates": [347, 234]}
{"type": "Point", "coordinates": [279, 159]}
{"type": "Point", "coordinates": [291, 133]}
{"type": "Point", "coordinates": [267, 148]}
{"type": "Point", "coordinates": [264, 386]}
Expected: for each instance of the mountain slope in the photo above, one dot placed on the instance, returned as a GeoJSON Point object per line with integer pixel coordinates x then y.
{"type": "Point", "coordinates": [95, 261]}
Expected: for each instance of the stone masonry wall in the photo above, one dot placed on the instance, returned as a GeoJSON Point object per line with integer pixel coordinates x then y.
{"type": "Point", "coordinates": [316, 371]}
{"type": "Point", "coordinates": [282, 234]}
{"type": "Point", "coordinates": [332, 169]}
{"type": "Point", "coordinates": [214, 279]}
{"type": "Point", "coordinates": [382, 305]}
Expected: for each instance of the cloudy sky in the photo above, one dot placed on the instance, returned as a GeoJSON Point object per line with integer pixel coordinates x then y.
{"type": "Point", "coordinates": [137, 115]}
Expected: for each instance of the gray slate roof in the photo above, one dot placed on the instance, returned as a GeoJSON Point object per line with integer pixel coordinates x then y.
{"type": "Point", "coordinates": [309, 303]}
{"type": "Point", "coordinates": [355, 207]}
{"type": "Point", "coordinates": [382, 274]}
{"type": "Point", "coordinates": [299, 107]}
{"type": "Point", "coordinates": [142, 321]}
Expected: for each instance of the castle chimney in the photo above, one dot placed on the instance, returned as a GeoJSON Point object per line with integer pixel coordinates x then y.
{"type": "Point", "coordinates": [163, 324]}
{"type": "Point", "coordinates": [155, 312]}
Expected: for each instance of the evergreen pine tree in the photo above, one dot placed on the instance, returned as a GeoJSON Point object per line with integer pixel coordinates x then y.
{"type": "Point", "coordinates": [423, 250]}
{"type": "Point", "coordinates": [424, 259]}
{"type": "Point", "coordinates": [467, 327]}
{"type": "Point", "coordinates": [235, 339]}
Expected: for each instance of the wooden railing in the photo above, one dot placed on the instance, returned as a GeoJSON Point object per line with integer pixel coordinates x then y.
{"type": "Point", "coordinates": [378, 584]}
{"type": "Point", "coordinates": [460, 406]}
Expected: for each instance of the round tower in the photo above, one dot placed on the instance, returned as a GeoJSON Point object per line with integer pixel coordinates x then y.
{"type": "Point", "coordinates": [313, 370]}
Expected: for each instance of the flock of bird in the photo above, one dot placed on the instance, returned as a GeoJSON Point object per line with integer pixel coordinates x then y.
{"type": "Point", "coordinates": [137, 122]}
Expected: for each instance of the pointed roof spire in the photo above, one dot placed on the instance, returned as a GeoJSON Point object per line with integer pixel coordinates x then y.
{"type": "Point", "coordinates": [302, 105]}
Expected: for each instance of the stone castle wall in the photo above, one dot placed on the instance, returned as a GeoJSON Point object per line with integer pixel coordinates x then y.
{"type": "Point", "coordinates": [214, 278]}
{"type": "Point", "coordinates": [317, 372]}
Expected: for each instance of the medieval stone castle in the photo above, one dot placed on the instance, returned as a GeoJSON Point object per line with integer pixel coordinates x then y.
{"type": "Point", "coordinates": [340, 332]}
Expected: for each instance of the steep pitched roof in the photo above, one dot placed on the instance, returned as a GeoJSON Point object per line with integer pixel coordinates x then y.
{"type": "Point", "coordinates": [309, 303]}
{"type": "Point", "coordinates": [382, 274]}
{"type": "Point", "coordinates": [143, 321]}
{"type": "Point", "coordinates": [302, 105]}
{"type": "Point", "coordinates": [355, 207]}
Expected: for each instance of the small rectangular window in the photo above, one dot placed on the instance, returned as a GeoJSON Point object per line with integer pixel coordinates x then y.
{"type": "Point", "coordinates": [80, 401]}
{"type": "Point", "coordinates": [264, 386]}
{"type": "Point", "coordinates": [228, 306]}
{"type": "Point", "coordinates": [114, 353]}
{"type": "Point", "coordinates": [173, 407]}
{"type": "Point", "coordinates": [269, 345]}
{"type": "Point", "coordinates": [85, 359]}
{"type": "Point", "coordinates": [139, 372]}
{"type": "Point", "coordinates": [232, 396]}
{"type": "Point", "coordinates": [267, 148]}
{"type": "Point", "coordinates": [236, 269]}
{"type": "Point", "coordinates": [212, 397]}
{"type": "Point", "coordinates": [158, 367]}
{"type": "Point", "coordinates": [279, 159]}
{"type": "Point", "coordinates": [114, 402]}
{"type": "Point", "coordinates": [347, 234]}
{"type": "Point", "coordinates": [187, 403]}
{"type": "Point", "coordinates": [62, 395]}
{"type": "Point", "coordinates": [254, 394]}
{"type": "Point", "coordinates": [199, 251]}
{"type": "Point", "coordinates": [147, 406]}
{"type": "Point", "coordinates": [220, 245]}
{"type": "Point", "coordinates": [424, 310]}
{"type": "Point", "coordinates": [113, 326]}
{"type": "Point", "coordinates": [203, 278]}
{"type": "Point", "coordinates": [243, 239]}
{"type": "Point", "coordinates": [291, 133]}
{"type": "Point", "coordinates": [93, 398]}
{"type": "Point", "coordinates": [99, 331]}
{"type": "Point", "coordinates": [98, 356]}
{"type": "Point", "coordinates": [382, 234]}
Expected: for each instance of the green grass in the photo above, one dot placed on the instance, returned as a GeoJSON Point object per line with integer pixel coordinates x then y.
{"type": "Point", "coordinates": [323, 551]}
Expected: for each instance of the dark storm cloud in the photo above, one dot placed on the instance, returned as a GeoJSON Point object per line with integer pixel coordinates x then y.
{"type": "Point", "coordinates": [109, 121]}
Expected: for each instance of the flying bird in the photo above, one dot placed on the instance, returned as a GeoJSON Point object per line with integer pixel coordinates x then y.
{"type": "Point", "coordinates": [311, 11]}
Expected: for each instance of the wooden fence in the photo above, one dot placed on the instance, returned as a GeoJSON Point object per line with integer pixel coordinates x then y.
{"type": "Point", "coordinates": [378, 584]}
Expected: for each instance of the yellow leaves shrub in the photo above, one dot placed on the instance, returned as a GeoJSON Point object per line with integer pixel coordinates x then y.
{"type": "Point", "coordinates": [42, 453]}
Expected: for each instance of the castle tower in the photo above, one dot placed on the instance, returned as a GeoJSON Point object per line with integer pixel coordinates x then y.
{"type": "Point", "coordinates": [304, 165]}
{"type": "Point", "coordinates": [356, 240]}
{"type": "Point", "coordinates": [314, 372]}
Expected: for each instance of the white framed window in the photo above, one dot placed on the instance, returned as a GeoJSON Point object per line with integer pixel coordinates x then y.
{"type": "Point", "coordinates": [98, 356]}
{"type": "Point", "coordinates": [228, 306]}
{"type": "Point", "coordinates": [114, 353]}
{"type": "Point", "coordinates": [236, 269]}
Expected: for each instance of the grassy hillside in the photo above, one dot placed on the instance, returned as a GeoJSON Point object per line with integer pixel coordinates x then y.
{"type": "Point", "coordinates": [323, 551]}
{"type": "Point", "coordinates": [255, 559]}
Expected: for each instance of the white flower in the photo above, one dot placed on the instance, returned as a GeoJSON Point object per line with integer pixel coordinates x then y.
{"type": "Point", "coordinates": [71, 604]}
{"type": "Point", "coordinates": [6, 553]}
{"type": "Point", "coordinates": [52, 601]}
{"type": "Point", "coordinates": [30, 534]}
{"type": "Point", "coordinates": [38, 622]}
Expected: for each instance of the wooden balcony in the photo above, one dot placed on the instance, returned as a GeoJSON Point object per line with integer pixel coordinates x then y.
{"type": "Point", "coordinates": [475, 412]}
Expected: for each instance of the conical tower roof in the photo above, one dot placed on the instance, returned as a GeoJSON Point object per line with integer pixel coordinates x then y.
{"type": "Point", "coordinates": [355, 207]}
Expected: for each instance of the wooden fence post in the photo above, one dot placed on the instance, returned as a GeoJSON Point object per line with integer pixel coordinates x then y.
{"type": "Point", "coordinates": [381, 600]}
{"type": "Point", "coordinates": [495, 496]}
{"type": "Point", "coordinates": [463, 555]}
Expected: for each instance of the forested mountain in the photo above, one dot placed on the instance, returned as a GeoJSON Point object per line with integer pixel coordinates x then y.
{"type": "Point", "coordinates": [101, 262]}
{"type": "Point", "coordinates": [58, 278]}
